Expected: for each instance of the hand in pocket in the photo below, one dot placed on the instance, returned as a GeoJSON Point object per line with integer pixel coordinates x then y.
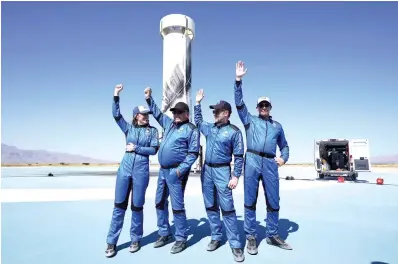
{"type": "Point", "coordinates": [178, 174]}
{"type": "Point", "coordinates": [175, 174]}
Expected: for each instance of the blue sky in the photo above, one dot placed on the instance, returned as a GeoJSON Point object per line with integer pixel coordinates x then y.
{"type": "Point", "coordinates": [331, 69]}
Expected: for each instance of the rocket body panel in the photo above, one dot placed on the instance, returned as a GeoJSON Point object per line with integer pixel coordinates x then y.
{"type": "Point", "coordinates": [176, 71]}
{"type": "Point", "coordinates": [178, 32]}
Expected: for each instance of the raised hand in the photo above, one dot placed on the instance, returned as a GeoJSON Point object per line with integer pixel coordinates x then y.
{"type": "Point", "coordinates": [240, 70]}
{"type": "Point", "coordinates": [199, 96]}
{"type": "Point", "coordinates": [148, 92]}
{"type": "Point", "coordinates": [118, 89]}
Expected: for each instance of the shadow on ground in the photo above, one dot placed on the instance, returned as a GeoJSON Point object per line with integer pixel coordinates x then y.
{"type": "Point", "coordinates": [332, 179]}
{"type": "Point", "coordinates": [83, 174]}
{"type": "Point", "coordinates": [199, 229]}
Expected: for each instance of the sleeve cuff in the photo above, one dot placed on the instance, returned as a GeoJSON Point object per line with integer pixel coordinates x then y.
{"type": "Point", "coordinates": [116, 99]}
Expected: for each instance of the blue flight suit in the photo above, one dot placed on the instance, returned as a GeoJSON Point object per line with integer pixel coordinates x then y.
{"type": "Point", "coordinates": [222, 141]}
{"type": "Point", "coordinates": [132, 175]}
{"type": "Point", "coordinates": [262, 137]}
{"type": "Point", "coordinates": [178, 150]}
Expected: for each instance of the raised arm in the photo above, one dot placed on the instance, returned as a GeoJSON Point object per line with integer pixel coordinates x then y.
{"type": "Point", "coordinates": [163, 120]}
{"type": "Point", "coordinates": [193, 152]}
{"type": "Point", "coordinates": [153, 147]}
{"type": "Point", "coordinates": [124, 126]}
{"type": "Point", "coordinates": [283, 146]}
{"type": "Point", "coordinates": [238, 151]}
{"type": "Point", "coordinates": [203, 126]}
{"type": "Point", "coordinates": [243, 113]}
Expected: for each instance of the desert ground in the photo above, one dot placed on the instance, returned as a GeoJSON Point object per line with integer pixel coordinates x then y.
{"type": "Point", "coordinates": [65, 218]}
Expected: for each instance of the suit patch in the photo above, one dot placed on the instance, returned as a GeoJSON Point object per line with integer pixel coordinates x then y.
{"type": "Point", "coordinates": [148, 131]}
{"type": "Point", "coordinates": [226, 134]}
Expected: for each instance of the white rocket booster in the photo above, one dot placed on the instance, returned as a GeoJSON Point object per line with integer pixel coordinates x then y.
{"type": "Point", "coordinates": [177, 32]}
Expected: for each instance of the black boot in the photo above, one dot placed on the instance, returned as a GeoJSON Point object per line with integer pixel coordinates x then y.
{"type": "Point", "coordinates": [162, 240]}
{"type": "Point", "coordinates": [278, 242]}
{"type": "Point", "coordinates": [238, 254]}
{"type": "Point", "coordinates": [252, 245]}
{"type": "Point", "coordinates": [178, 247]}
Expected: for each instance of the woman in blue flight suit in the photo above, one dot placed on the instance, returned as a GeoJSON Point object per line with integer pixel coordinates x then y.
{"type": "Point", "coordinates": [133, 173]}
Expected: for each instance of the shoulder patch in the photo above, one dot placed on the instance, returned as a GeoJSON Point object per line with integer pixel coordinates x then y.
{"type": "Point", "coordinates": [234, 127]}
{"type": "Point", "coordinates": [191, 126]}
{"type": "Point", "coordinates": [276, 122]}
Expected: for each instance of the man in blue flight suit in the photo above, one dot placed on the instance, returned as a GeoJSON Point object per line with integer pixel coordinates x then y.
{"type": "Point", "coordinates": [178, 151]}
{"type": "Point", "coordinates": [263, 134]}
{"type": "Point", "coordinates": [223, 140]}
{"type": "Point", "coordinates": [133, 173]}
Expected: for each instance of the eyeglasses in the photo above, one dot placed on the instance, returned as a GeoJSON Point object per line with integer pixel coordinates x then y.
{"type": "Point", "coordinates": [263, 105]}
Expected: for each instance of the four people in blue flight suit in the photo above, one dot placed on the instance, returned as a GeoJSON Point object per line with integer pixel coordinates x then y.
{"type": "Point", "coordinates": [179, 150]}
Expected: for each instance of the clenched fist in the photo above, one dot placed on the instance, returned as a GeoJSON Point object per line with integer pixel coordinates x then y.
{"type": "Point", "coordinates": [118, 89]}
{"type": "Point", "coordinates": [148, 92]}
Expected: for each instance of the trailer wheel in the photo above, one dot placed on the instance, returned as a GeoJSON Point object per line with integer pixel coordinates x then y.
{"type": "Point", "coordinates": [354, 176]}
{"type": "Point", "coordinates": [321, 176]}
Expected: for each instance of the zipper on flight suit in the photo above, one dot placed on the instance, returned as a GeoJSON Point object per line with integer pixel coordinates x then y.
{"type": "Point", "coordinates": [211, 153]}
{"type": "Point", "coordinates": [166, 136]}
{"type": "Point", "coordinates": [138, 141]}
{"type": "Point", "coordinates": [266, 135]}
{"type": "Point", "coordinates": [265, 142]}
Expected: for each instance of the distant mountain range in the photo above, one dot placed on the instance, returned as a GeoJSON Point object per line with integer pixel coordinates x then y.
{"type": "Point", "coordinates": [391, 159]}
{"type": "Point", "coordinates": [14, 155]}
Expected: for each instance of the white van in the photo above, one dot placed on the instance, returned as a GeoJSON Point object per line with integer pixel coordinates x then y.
{"type": "Point", "coordinates": [341, 157]}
